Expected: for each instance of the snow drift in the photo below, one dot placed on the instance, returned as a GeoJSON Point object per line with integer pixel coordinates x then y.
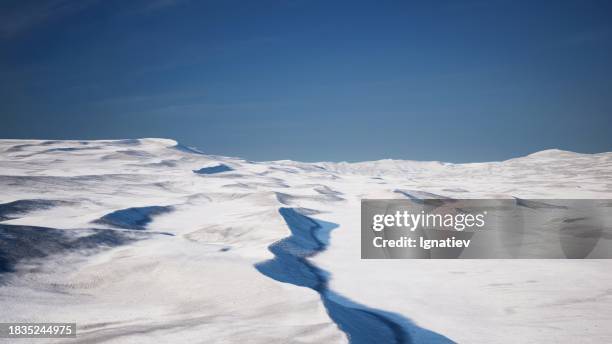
{"type": "Point", "coordinates": [248, 253]}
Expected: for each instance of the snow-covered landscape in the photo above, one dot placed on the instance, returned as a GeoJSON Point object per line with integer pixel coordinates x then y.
{"type": "Point", "coordinates": [151, 241]}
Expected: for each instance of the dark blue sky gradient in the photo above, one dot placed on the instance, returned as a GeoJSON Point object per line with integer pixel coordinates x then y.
{"type": "Point", "coordinates": [313, 80]}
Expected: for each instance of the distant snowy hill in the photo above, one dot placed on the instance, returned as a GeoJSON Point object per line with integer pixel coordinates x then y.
{"type": "Point", "coordinates": [141, 240]}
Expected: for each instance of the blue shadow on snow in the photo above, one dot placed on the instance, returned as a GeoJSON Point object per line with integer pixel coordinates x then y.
{"type": "Point", "coordinates": [213, 169]}
{"type": "Point", "coordinates": [133, 218]}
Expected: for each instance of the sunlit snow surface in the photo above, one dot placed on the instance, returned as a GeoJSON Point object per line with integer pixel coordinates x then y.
{"type": "Point", "coordinates": [147, 240]}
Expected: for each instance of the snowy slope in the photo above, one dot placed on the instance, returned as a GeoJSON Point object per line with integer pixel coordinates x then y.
{"type": "Point", "coordinates": [141, 240]}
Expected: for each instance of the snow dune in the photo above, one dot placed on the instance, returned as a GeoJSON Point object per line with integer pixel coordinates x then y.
{"type": "Point", "coordinates": [251, 255]}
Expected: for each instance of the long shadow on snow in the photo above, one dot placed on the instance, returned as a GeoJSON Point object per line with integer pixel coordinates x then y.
{"type": "Point", "coordinates": [16, 209]}
{"type": "Point", "coordinates": [213, 169]}
{"type": "Point", "coordinates": [136, 218]}
{"type": "Point", "coordinates": [18, 243]}
{"type": "Point", "coordinates": [361, 324]}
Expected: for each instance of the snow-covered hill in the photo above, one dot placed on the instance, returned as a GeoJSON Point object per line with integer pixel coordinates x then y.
{"type": "Point", "coordinates": [142, 240]}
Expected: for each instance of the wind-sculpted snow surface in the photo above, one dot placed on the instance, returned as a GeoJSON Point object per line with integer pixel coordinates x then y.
{"type": "Point", "coordinates": [18, 208]}
{"type": "Point", "coordinates": [82, 227]}
{"type": "Point", "coordinates": [19, 243]}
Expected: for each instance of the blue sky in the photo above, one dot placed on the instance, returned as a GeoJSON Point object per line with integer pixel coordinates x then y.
{"type": "Point", "coordinates": [313, 80]}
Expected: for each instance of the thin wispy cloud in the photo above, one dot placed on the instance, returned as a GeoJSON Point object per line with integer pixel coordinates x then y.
{"type": "Point", "coordinates": [23, 16]}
